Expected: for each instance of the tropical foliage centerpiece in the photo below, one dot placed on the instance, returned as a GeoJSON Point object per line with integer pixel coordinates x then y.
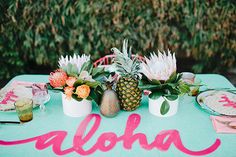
{"type": "Point", "coordinates": [78, 79]}
{"type": "Point", "coordinates": [161, 80]}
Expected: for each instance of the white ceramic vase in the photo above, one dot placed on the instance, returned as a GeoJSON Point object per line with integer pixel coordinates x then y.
{"type": "Point", "coordinates": [74, 108]}
{"type": "Point", "coordinates": [155, 106]}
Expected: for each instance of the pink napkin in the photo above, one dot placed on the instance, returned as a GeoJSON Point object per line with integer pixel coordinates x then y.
{"type": "Point", "coordinates": [223, 124]}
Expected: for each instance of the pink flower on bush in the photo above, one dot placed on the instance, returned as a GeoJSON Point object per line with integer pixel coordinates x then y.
{"type": "Point", "coordinates": [70, 81]}
{"type": "Point", "coordinates": [68, 92]}
{"type": "Point", "coordinates": [58, 78]}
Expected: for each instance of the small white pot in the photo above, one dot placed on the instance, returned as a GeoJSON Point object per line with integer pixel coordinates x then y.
{"type": "Point", "coordinates": [155, 106]}
{"type": "Point", "coordinates": [74, 108]}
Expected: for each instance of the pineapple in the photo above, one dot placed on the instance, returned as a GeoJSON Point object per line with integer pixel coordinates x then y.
{"type": "Point", "coordinates": [127, 86]}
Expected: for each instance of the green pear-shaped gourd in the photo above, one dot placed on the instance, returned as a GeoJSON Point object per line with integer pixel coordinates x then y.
{"type": "Point", "coordinates": [110, 103]}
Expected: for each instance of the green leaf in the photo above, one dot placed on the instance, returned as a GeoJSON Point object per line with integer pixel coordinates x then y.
{"type": "Point", "coordinates": [76, 98]}
{"type": "Point", "coordinates": [68, 68]}
{"type": "Point", "coordinates": [178, 77]}
{"type": "Point", "coordinates": [64, 68]}
{"type": "Point", "coordinates": [172, 97]}
{"type": "Point", "coordinates": [84, 66]}
{"type": "Point", "coordinates": [90, 67]}
{"type": "Point", "coordinates": [175, 91]}
{"type": "Point", "coordinates": [157, 82]}
{"type": "Point", "coordinates": [172, 78]}
{"type": "Point", "coordinates": [95, 96]}
{"type": "Point", "coordinates": [100, 78]}
{"type": "Point", "coordinates": [144, 85]}
{"type": "Point", "coordinates": [99, 74]}
{"type": "Point", "coordinates": [74, 70]}
{"type": "Point", "coordinates": [78, 82]}
{"type": "Point", "coordinates": [79, 99]}
{"type": "Point", "coordinates": [184, 88]}
{"type": "Point", "coordinates": [89, 98]}
{"type": "Point", "coordinates": [92, 84]}
{"type": "Point", "coordinates": [155, 95]}
{"type": "Point", "coordinates": [97, 71]}
{"type": "Point", "coordinates": [71, 69]}
{"type": "Point", "coordinates": [87, 66]}
{"type": "Point", "coordinates": [165, 107]}
{"type": "Point", "coordinates": [172, 85]}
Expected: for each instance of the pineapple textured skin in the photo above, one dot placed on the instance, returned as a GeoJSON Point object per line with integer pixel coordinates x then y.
{"type": "Point", "coordinates": [128, 93]}
{"type": "Point", "coordinates": [129, 70]}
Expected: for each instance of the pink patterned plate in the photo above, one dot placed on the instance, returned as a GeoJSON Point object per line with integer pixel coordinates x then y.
{"type": "Point", "coordinates": [219, 101]}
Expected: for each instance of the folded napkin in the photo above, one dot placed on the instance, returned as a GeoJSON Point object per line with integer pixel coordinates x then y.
{"type": "Point", "coordinates": [224, 124]}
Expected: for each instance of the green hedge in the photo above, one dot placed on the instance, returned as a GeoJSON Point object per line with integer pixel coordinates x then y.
{"type": "Point", "coordinates": [36, 32]}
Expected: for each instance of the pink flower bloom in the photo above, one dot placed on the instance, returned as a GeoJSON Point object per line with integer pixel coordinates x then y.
{"type": "Point", "coordinates": [159, 67]}
{"type": "Point", "coordinates": [58, 78]}
{"type": "Point", "coordinates": [70, 81]}
{"type": "Point", "coordinates": [68, 92]}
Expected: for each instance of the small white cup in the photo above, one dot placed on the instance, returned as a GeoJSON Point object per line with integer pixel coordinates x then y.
{"type": "Point", "coordinates": [188, 77]}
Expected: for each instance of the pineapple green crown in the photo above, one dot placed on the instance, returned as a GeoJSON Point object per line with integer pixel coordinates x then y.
{"type": "Point", "coordinates": [125, 65]}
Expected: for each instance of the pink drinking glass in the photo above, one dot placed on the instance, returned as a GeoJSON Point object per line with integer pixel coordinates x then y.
{"type": "Point", "coordinates": [40, 95]}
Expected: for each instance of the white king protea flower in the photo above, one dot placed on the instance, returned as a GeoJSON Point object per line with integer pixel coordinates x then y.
{"type": "Point", "coordinates": [159, 67]}
{"type": "Point", "coordinates": [76, 60]}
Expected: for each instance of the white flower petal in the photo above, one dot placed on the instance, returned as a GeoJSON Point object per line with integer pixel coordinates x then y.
{"type": "Point", "coordinates": [75, 60]}
{"type": "Point", "coordinates": [159, 67]}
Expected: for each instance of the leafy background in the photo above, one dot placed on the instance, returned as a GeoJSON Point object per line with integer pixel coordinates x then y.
{"type": "Point", "coordinates": [33, 34]}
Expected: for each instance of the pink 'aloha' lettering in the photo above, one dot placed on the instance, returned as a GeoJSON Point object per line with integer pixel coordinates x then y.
{"type": "Point", "coordinates": [106, 141]}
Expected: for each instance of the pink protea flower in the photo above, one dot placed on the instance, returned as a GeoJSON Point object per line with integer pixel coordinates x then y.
{"type": "Point", "coordinates": [58, 78]}
{"type": "Point", "coordinates": [159, 67]}
{"type": "Point", "coordinates": [68, 92]}
{"type": "Point", "coordinates": [70, 81]}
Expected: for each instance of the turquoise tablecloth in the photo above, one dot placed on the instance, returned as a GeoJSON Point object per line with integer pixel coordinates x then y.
{"type": "Point", "coordinates": [193, 126]}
